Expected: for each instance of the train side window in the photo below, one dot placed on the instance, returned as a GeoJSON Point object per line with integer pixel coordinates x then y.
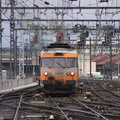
{"type": "Point", "coordinates": [71, 62]}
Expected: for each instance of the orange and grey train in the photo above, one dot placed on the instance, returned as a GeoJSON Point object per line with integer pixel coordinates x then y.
{"type": "Point", "coordinates": [58, 68]}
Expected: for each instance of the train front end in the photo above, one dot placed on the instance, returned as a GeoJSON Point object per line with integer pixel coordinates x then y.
{"type": "Point", "coordinates": [58, 69]}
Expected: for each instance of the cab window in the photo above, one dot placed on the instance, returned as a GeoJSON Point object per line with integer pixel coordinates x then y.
{"type": "Point", "coordinates": [59, 62]}
{"type": "Point", "coordinates": [46, 62]}
{"type": "Point", "coordinates": [71, 62]}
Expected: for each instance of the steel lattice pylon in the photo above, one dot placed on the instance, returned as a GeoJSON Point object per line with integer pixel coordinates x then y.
{"type": "Point", "coordinates": [21, 58]}
{"type": "Point", "coordinates": [12, 43]}
{"type": "Point", "coordinates": [21, 50]}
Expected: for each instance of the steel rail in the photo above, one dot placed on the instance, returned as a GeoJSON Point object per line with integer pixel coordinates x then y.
{"type": "Point", "coordinates": [99, 115]}
{"type": "Point", "coordinates": [5, 94]}
{"type": "Point", "coordinates": [109, 92]}
{"type": "Point", "coordinates": [17, 111]}
{"type": "Point", "coordinates": [59, 108]}
{"type": "Point", "coordinates": [63, 109]}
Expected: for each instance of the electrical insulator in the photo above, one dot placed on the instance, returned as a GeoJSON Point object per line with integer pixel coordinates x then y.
{"type": "Point", "coordinates": [47, 3]}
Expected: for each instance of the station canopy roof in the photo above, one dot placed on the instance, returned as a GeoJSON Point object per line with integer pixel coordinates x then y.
{"type": "Point", "coordinates": [103, 59]}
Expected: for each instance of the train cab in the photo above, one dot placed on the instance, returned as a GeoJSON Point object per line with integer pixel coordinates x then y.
{"type": "Point", "coordinates": [58, 68]}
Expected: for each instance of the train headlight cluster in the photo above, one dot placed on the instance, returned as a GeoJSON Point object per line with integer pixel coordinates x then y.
{"type": "Point", "coordinates": [67, 73]}
{"type": "Point", "coordinates": [46, 73]}
{"type": "Point", "coordinates": [72, 73]}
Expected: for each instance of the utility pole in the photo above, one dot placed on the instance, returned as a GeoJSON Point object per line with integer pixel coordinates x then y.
{"type": "Point", "coordinates": [0, 42]}
{"type": "Point", "coordinates": [21, 57]}
{"type": "Point", "coordinates": [111, 63]}
{"type": "Point", "coordinates": [118, 57]}
{"type": "Point", "coordinates": [90, 60]}
{"type": "Point", "coordinates": [12, 42]}
{"type": "Point", "coordinates": [21, 51]}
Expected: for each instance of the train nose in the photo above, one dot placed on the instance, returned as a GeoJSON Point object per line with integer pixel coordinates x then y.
{"type": "Point", "coordinates": [51, 78]}
{"type": "Point", "coordinates": [59, 83]}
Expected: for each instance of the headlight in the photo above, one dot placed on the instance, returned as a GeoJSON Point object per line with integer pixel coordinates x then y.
{"type": "Point", "coordinates": [45, 73]}
{"type": "Point", "coordinates": [72, 73]}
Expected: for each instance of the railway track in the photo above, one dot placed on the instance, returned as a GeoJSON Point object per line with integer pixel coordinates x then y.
{"type": "Point", "coordinates": [71, 109]}
{"type": "Point", "coordinates": [104, 93]}
{"type": "Point", "coordinates": [65, 110]}
{"type": "Point", "coordinates": [33, 105]}
{"type": "Point", "coordinates": [10, 103]}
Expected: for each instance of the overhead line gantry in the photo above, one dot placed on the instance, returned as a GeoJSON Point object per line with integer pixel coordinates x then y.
{"type": "Point", "coordinates": [55, 8]}
{"type": "Point", "coordinates": [73, 20]}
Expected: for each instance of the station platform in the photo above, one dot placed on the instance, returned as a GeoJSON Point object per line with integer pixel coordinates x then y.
{"type": "Point", "coordinates": [12, 85]}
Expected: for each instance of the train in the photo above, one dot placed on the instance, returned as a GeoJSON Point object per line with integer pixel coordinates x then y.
{"type": "Point", "coordinates": [58, 68]}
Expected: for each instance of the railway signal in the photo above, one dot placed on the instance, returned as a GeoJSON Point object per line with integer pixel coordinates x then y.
{"type": "Point", "coordinates": [75, 29]}
{"type": "Point", "coordinates": [36, 38]}
{"type": "Point", "coordinates": [107, 38]}
{"type": "Point", "coordinates": [82, 40]}
{"type": "Point", "coordinates": [59, 37]}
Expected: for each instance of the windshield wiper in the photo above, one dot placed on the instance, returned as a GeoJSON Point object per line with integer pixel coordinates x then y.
{"type": "Point", "coordinates": [47, 65]}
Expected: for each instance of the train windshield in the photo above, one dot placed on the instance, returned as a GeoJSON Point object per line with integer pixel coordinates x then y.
{"type": "Point", "coordinates": [46, 62]}
{"type": "Point", "coordinates": [59, 63]}
{"type": "Point", "coordinates": [71, 62]}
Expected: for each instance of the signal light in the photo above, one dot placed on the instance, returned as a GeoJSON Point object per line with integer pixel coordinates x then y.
{"type": "Point", "coordinates": [107, 38]}
{"type": "Point", "coordinates": [36, 37]}
{"type": "Point", "coordinates": [59, 37]}
{"type": "Point", "coordinates": [87, 34]}
{"type": "Point", "coordinates": [82, 38]}
{"type": "Point", "coordinates": [75, 29]}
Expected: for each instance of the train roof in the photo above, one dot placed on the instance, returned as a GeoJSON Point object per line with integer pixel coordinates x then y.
{"type": "Point", "coordinates": [60, 45]}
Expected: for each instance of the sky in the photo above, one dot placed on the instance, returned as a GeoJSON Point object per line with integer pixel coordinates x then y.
{"type": "Point", "coordinates": [53, 14]}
